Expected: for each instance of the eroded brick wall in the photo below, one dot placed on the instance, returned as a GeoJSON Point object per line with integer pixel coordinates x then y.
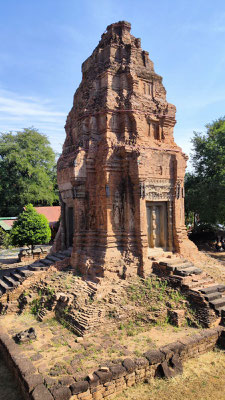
{"type": "Point", "coordinates": [113, 378]}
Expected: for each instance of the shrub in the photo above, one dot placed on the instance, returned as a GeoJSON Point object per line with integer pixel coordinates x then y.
{"type": "Point", "coordinates": [5, 240]}
{"type": "Point", "coordinates": [203, 233]}
{"type": "Point", "coordinates": [30, 228]}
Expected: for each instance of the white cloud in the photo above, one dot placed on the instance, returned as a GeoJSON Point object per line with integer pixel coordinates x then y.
{"type": "Point", "coordinates": [18, 112]}
{"type": "Point", "coordinates": [14, 104]}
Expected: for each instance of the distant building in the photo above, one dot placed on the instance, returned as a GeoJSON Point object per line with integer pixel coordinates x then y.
{"type": "Point", "coordinates": [6, 223]}
{"type": "Point", "coordinates": [52, 213]}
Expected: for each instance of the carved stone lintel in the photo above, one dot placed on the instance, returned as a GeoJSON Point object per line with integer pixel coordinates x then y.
{"type": "Point", "coordinates": [161, 190]}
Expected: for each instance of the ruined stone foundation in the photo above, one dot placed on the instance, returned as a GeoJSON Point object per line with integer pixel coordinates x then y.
{"type": "Point", "coordinates": [121, 175]}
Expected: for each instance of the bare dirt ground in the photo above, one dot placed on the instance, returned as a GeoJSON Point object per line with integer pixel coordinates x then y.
{"type": "Point", "coordinates": [215, 264]}
{"type": "Point", "coordinates": [58, 352]}
{"type": "Point", "coordinates": [203, 379]}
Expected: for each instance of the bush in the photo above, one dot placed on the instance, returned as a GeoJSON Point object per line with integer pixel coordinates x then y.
{"type": "Point", "coordinates": [30, 228]}
{"type": "Point", "coordinates": [5, 239]}
{"type": "Point", "coordinates": [203, 233]}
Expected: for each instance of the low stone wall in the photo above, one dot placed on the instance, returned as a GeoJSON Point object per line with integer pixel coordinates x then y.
{"type": "Point", "coordinates": [113, 378]}
{"type": "Point", "coordinates": [22, 368]}
{"type": "Point", "coordinates": [27, 255]}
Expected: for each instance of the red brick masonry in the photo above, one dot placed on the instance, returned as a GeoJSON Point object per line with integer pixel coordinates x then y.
{"type": "Point", "coordinates": [121, 175]}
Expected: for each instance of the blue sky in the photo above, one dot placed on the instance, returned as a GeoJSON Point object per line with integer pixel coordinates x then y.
{"type": "Point", "coordinates": [44, 42]}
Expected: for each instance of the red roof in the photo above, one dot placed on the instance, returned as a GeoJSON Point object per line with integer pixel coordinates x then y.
{"type": "Point", "coordinates": [9, 222]}
{"type": "Point", "coordinates": [52, 213]}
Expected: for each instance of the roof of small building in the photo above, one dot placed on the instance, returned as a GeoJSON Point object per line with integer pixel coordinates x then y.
{"type": "Point", "coordinates": [52, 213]}
{"type": "Point", "coordinates": [6, 223]}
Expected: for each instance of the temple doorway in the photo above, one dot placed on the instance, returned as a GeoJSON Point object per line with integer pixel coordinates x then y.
{"type": "Point", "coordinates": [68, 226]}
{"type": "Point", "coordinates": [157, 224]}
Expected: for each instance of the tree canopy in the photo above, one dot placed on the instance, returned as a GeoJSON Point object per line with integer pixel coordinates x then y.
{"type": "Point", "coordinates": [27, 171]}
{"type": "Point", "coordinates": [30, 228]}
{"type": "Point", "coordinates": [205, 187]}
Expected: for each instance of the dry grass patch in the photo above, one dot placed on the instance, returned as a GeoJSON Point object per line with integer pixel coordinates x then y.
{"type": "Point", "coordinates": [203, 379]}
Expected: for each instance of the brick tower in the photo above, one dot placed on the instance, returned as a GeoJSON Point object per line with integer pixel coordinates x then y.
{"type": "Point", "coordinates": [121, 174]}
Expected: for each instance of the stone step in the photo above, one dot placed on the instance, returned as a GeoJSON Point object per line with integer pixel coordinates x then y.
{"type": "Point", "coordinates": [189, 271]}
{"type": "Point", "coordinates": [167, 261]}
{"type": "Point", "coordinates": [218, 303]}
{"type": "Point", "coordinates": [47, 262]}
{"type": "Point", "coordinates": [213, 296]}
{"type": "Point", "coordinates": [5, 287]}
{"type": "Point", "coordinates": [184, 266]}
{"type": "Point", "coordinates": [40, 267]}
{"type": "Point", "coordinates": [11, 281]}
{"type": "Point", "coordinates": [58, 255]}
{"type": "Point", "coordinates": [197, 278]}
{"type": "Point", "coordinates": [37, 266]}
{"type": "Point", "coordinates": [52, 258]}
{"type": "Point", "coordinates": [17, 277]}
{"type": "Point", "coordinates": [176, 277]}
{"type": "Point", "coordinates": [221, 310]}
{"type": "Point", "coordinates": [67, 253]}
{"type": "Point", "coordinates": [212, 289]}
{"type": "Point", "coordinates": [34, 264]}
{"type": "Point", "coordinates": [24, 272]}
{"type": "Point", "coordinates": [200, 288]}
{"type": "Point", "coordinates": [170, 268]}
{"type": "Point", "coordinates": [200, 283]}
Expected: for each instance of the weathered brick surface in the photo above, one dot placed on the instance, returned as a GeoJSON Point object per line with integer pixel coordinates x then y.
{"type": "Point", "coordinates": [40, 393]}
{"type": "Point", "coordinates": [61, 393]}
{"type": "Point", "coordinates": [129, 365]}
{"type": "Point", "coordinates": [119, 161]}
{"type": "Point", "coordinates": [154, 356]}
{"type": "Point", "coordinates": [32, 381]}
{"type": "Point", "coordinates": [79, 387]}
{"type": "Point", "coordinates": [171, 349]}
{"type": "Point", "coordinates": [117, 371]}
{"type": "Point", "coordinates": [104, 376]}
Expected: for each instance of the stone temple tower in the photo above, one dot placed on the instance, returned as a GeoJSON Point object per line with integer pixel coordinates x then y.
{"type": "Point", "coordinates": [121, 175]}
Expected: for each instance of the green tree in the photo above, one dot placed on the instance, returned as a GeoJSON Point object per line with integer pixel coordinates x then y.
{"type": "Point", "coordinates": [4, 238]}
{"type": "Point", "coordinates": [205, 187]}
{"type": "Point", "coordinates": [30, 228]}
{"type": "Point", "coordinates": [27, 171]}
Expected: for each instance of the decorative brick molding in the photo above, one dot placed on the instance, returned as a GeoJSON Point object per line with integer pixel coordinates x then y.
{"type": "Point", "coordinates": [113, 378]}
